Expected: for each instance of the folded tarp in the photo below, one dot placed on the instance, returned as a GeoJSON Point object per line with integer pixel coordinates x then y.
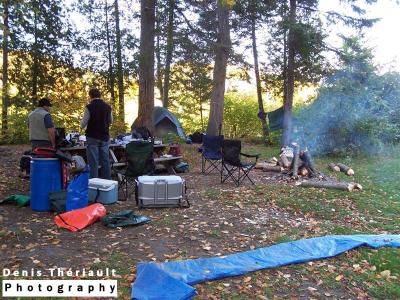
{"type": "Point", "coordinates": [172, 280]}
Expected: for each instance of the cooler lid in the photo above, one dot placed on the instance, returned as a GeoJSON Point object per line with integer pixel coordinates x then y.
{"type": "Point", "coordinates": [152, 179]}
{"type": "Point", "coordinates": [102, 184]}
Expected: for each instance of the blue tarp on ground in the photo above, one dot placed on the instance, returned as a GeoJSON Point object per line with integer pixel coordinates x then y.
{"type": "Point", "coordinates": [172, 280]}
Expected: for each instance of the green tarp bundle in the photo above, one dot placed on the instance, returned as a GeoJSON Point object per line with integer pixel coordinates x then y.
{"type": "Point", "coordinates": [124, 218]}
{"type": "Point", "coordinates": [20, 200]}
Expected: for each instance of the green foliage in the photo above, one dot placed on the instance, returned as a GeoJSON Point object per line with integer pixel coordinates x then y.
{"type": "Point", "coordinates": [118, 127]}
{"type": "Point", "coordinates": [190, 91]}
{"type": "Point", "coordinates": [17, 132]}
{"type": "Point", "coordinates": [240, 116]}
{"type": "Point", "coordinates": [172, 138]}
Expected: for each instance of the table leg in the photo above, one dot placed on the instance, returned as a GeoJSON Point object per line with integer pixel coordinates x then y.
{"type": "Point", "coordinates": [170, 169]}
{"type": "Point", "coordinates": [115, 160]}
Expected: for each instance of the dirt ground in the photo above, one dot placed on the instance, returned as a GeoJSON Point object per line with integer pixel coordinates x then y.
{"type": "Point", "coordinates": [222, 219]}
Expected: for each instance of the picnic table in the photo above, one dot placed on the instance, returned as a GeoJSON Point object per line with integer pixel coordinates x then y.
{"type": "Point", "coordinates": [117, 152]}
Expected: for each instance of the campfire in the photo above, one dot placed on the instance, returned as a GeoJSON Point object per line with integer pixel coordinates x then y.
{"type": "Point", "coordinates": [297, 164]}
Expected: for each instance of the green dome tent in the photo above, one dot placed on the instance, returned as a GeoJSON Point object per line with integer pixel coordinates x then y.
{"type": "Point", "coordinates": [165, 121]}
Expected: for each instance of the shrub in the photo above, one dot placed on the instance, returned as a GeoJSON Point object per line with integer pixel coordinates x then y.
{"type": "Point", "coordinates": [240, 116]}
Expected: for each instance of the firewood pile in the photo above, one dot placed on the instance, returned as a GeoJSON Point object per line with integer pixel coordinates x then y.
{"type": "Point", "coordinates": [297, 164]}
{"type": "Point", "coordinates": [292, 161]}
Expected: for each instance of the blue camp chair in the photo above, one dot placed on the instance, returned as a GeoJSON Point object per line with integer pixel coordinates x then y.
{"type": "Point", "coordinates": [211, 153]}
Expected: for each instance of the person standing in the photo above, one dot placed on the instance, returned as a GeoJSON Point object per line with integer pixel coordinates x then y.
{"type": "Point", "coordinates": [41, 128]}
{"type": "Point", "coordinates": [97, 119]}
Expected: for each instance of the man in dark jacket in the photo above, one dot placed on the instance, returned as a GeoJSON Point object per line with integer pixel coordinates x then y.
{"type": "Point", "coordinates": [97, 119]}
{"type": "Point", "coordinates": [41, 127]}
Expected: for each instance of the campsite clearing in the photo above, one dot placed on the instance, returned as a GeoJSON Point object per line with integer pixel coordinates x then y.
{"type": "Point", "coordinates": [225, 219]}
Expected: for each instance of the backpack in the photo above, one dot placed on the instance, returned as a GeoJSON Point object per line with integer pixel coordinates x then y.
{"type": "Point", "coordinates": [196, 138]}
{"type": "Point", "coordinates": [141, 133]}
{"type": "Point", "coordinates": [44, 152]}
{"type": "Point", "coordinates": [47, 152]}
{"type": "Point", "coordinates": [25, 163]}
{"type": "Point", "coordinates": [78, 164]}
{"type": "Point", "coordinates": [182, 167]}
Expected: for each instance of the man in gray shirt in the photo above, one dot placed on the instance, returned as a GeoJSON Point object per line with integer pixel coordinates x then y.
{"type": "Point", "coordinates": [41, 127]}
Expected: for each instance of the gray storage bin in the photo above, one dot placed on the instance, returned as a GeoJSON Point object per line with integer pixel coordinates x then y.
{"type": "Point", "coordinates": [161, 191]}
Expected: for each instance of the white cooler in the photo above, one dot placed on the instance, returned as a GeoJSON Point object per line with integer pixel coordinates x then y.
{"type": "Point", "coordinates": [107, 190]}
{"type": "Point", "coordinates": [161, 191]}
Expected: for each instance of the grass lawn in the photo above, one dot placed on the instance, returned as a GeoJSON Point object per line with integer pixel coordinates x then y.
{"type": "Point", "coordinates": [224, 219]}
{"type": "Point", "coordinates": [374, 210]}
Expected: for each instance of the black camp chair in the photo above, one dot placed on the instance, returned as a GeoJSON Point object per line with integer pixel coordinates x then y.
{"type": "Point", "coordinates": [139, 158]}
{"type": "Point", "coordinates": [232, 166]}
{"type": "Point", "coordinates": [211, 154]}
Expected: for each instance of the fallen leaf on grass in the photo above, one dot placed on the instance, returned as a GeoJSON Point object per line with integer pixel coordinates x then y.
{"type": "Point", "coordinates": [385, 274]}
{"type": "Point", "coordinates": [339, 277]}
{"type": "Point", "coordinates": [247, 279]}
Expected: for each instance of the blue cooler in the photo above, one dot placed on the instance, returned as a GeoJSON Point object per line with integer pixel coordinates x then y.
{"type": "Point", "coordinates": [45, 178]}
{"type": "Point", "coordinates": [107, 190]}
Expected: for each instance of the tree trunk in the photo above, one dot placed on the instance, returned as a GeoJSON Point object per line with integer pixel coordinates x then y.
{"type": "Point", "coordinates": [5, 100]}
{"type": "Point", "coordinates": [35, 66]}
{"type": "Point", "coordinates": [120, 70]}
{"type": "Point", "coordinates": [146, 64]}
{"type": "Point", "coordinates": [262, 113]}
{"type": "Point", "coordinates": [287, 116]}
{"type": "Point", "coordinates": [111, 80]}
{"type": "Point", "coordinates": [201, 114]}
{"type": "Point", "coordinates": [159, 79]}
{"type": "Point", "coordinates": [170, 48]}
{"type": "Point", "coordinates": [222, 50]}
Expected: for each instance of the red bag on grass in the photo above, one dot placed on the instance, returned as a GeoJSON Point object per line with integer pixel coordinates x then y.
{"type": "Point", "coordinates": [80, 218]}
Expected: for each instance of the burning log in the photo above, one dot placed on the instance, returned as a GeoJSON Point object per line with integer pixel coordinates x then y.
{"type": "Point", "coordinates": [308, 162]}
{"type": "Point", "coordinates": [284, 161]}
{"type": "Point", "coordinates": [272, 169]}
{"type": "Point", "coordinates": [334, 167]}
{"type": "Point", "coordinates": [344, 186]}
{"type": "Point", "coordinates": [345, 169]}
{"type": "Point", "coordinates": [295, 162]}
{"type": "Point", "coordinates": [273, 161]}
{"type": "Point", "coordinates": [303, 171]}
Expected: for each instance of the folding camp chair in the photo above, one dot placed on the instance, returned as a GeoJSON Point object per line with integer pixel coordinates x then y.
{"type": "Point", "coordinates": [211, 153]}
{"type": "Point", "coordinates": [139, 158]}
{"type": "Point", "coordinates": [232, 166]}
